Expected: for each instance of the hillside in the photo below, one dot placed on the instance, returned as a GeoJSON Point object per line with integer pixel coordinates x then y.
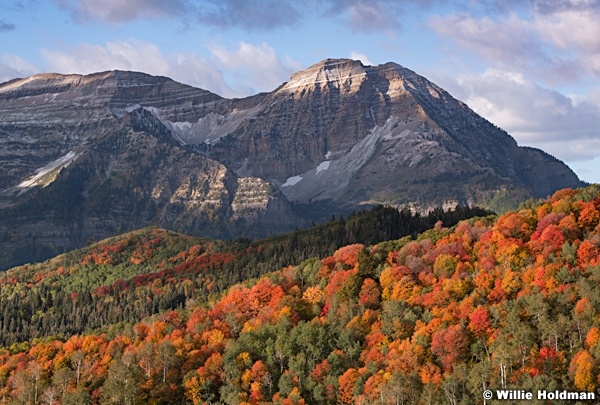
{"type": "Point", "coordinates": [85, 157]}
{"type": "Point", "coordinates": [67, 295]}
{"type": "Point", "coordinates": [505, 303]}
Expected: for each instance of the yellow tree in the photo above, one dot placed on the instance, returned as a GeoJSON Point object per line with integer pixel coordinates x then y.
{"type": "Point", "coordinates": [582, 368]}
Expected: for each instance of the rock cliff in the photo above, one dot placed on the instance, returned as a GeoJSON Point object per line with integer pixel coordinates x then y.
{"type": "Point", "coordinates": [78, 166]}
{"type": "Point", "coordinates": [85, 157]}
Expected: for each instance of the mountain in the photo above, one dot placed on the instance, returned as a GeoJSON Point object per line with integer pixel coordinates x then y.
{"type": "Point", "coordinates": [74, 171]}
{"type": "Point", "coordinates": [359, 134]}
{"type": "Point", "coordinates": [507, 304]}
{"type": "Point", "coordinates": [86, 157]}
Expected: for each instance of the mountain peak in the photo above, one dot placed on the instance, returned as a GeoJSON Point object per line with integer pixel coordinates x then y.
{"type": "Point", "coordinates": [52, 82]}
{"type": "Point", "coordinates": [39, 80]}
{"type": "Point", "coordinates": [338, 71]}
{"type": "Point", "coordinates": [326, 71]}
{"type": "Point", "coordinates": [337, 63]}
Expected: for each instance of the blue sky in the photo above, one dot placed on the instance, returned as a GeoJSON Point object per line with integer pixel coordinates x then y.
{"type": "Point", "coordinates": [531, 67]}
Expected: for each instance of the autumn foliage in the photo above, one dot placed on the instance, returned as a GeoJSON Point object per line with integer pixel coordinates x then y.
{"type": "Point", "coordinates": [512, 302]}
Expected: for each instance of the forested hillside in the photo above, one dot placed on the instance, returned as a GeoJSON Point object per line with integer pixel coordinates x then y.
{"type": "Point", "coordinates": [126, 278]}
{"type": "Point", "coordinates": [488, 303]}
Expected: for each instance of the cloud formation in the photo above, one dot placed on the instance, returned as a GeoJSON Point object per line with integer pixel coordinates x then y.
{"type": "Point", "coordinates": [359, 15]}
{"type": "Point", "coordinates": [119, 11]}
{"type": "Point", "coordinates": [257, 65]}
{"type": "Point", "coordinates": [361, 57]}
{"type": "Point", "coordinates": [573, 31]}
{"type": "Point", "coordinates": [139, 56]}
{"type": "Point", "coordinates": [369, 16]}
{"type": "Point", "coordinates": [557, 41]}
{"type": "Point", "coordinates": [494, 40]}
{"type": "Point", "coordinates": [6, 26]}
{"type": "Point", "coordinates": [119, 55]}
{"type": "Point", "coordinates": [545, 44]}
{"type": "Point", "coordinates": [13, 66]}
{"type": "Point", "coordinates": [265, 14]}
{"type": "Point", "coordinates": [565, 126]}
{"type": "Point", "coordinates": [253, 67]}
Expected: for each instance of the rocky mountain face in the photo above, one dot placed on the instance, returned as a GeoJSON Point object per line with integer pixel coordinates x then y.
{"type": "Point", "coordinates": [356, 134]}
{"type": "Point", "coordinates": [79, 165]}
{"type": "Point", "coordinates": [85, 157]}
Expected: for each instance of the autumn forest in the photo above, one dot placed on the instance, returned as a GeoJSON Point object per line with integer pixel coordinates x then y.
{"type": "Point", "coordinates": [382, 307]}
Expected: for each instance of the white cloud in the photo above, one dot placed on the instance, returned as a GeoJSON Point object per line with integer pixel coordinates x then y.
{"type": "Point", "coordinates": [573, 32]}
{"type": "Point", "coordinates": [565, 126]}
{"type": "Point", "coordinates": [13, 66]}
{"type": "Point", "coordinates": [570, 29]}
{"type": "Point", "coordinates": [545, 45]}
{"type": "Point", "coordinates": [139, 56]}
{"type": "Point", "coordinates": [556, 44]}
{"type": "Point", "coordinates": [119, 55]}
{"type": "Point", "coordinates": [494, 40]}
{"type": "Point", "coordinates": [256, 65]}
{"type": "Point", "coordinates": [249, 68]}
{"type": "Point", "coordinates": [361, 57]}
{"type": "Point", "coordinates": [199, 72]}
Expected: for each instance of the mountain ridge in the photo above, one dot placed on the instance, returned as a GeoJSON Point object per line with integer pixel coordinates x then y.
{"type": "Point", "coordinates": [358, 102]}
{"type": "Point", "coordinates": [338, 133]}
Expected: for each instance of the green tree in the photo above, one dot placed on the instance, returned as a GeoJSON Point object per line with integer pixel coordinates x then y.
{"type": "Point", "coordinates": [122, 384]}
{"type": "Point", "coordinates": [78, 397]}
{"type": "Point", "coordinates": [165, 357]}
{"type": "Point", "coordinates": [61, 379]}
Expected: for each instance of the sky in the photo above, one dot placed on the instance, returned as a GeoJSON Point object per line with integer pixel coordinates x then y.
{"type": "Point", "coordinates": [531, 67]}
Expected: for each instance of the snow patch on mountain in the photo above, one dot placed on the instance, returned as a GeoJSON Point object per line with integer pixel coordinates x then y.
{"type": "Point", "coordinates": [292, 181]}
{"type": "Point", "coordinates": [323, 166]}
{"type": "Point", "coordinates": [43, 176]}
{"type": "Point", "coordinates": [134, 107]}
{"type": "Point", "coordinates": [208, 129]}
{"type": "Point", "coordinates": [335, 175]}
